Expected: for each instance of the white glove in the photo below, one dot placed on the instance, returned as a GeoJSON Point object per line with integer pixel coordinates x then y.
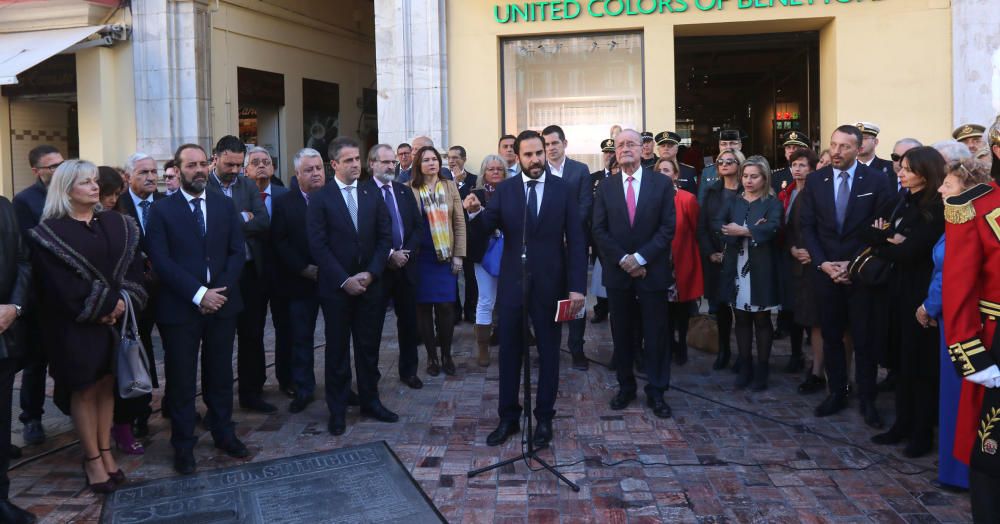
{"type": "Point", "coordinates": [989, 377]}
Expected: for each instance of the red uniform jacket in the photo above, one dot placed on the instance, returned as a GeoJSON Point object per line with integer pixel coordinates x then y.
{"type": "Point", "coordinates": [971, 302]}
{"type": "Point", "coordinates": [684, 247]}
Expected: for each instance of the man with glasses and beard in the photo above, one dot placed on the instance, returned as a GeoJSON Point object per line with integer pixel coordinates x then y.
{"type": "Point", "coordinates": [556, 267]}
{"type": "Point", "coordinates": [399, 281]}
{"type": "Point", "coordinates": [195, 239]}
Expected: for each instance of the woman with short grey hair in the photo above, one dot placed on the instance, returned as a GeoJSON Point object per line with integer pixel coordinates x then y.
{"type": "Point", "coordinates": [491, 173]}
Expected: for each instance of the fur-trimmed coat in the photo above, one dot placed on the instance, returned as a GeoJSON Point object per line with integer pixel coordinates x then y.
{"type": "Point", "coordinates": [79, 270]}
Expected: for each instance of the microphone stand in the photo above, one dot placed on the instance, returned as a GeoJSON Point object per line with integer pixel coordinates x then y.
{"type": "Point", "coordinates": [531, 453]}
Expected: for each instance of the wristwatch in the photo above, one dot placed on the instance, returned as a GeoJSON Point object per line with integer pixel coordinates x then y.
{"type": "Point", "coordinates": [18, 310]}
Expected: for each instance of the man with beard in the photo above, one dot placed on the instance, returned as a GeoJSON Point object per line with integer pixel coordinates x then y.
{"type": "Point", "coordinates": [556, 264]}
{"type": "Point", "coordinates": [399, 281]}
{"type": "Point", "coordinates": [195, 240]}
{"type": "Point", "coordinates": [250, 364]}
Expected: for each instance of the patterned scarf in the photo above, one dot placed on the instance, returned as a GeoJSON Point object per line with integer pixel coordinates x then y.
{"type": "Point", "coordinates": [435, 205]}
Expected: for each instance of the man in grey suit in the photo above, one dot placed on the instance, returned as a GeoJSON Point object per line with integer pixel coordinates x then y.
{"type": "Point", "coordinates": [229, 155]}
{"type": "Point", "coordinates": [577, 174]}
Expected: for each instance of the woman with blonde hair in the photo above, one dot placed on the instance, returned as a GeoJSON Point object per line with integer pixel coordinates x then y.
{"type": "Point", "coordinates": [440, 258]}
{"type": "Point", "coordinates": [749, 277]}
{"type": "Point", "coordinates": [491, 174]}
{"type": "Point", "coordinates": [83, 260]}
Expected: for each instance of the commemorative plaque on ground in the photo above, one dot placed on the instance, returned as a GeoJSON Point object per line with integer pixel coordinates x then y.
{"type": "Point", "coordinates": [364, 483]}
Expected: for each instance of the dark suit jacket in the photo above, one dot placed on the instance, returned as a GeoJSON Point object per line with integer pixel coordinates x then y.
{"type": "Point", "coordinates": [650, 235]}
{"type": "Point", "coordinates": [577, 175]}
{"type": "Point", "coordinates": [246, 197]}
{"type": "Point", "coordinates": [15, 278]}
{"type": "Point", "coordinates": [869, 193]}
{"type": "Point", "coordinates": [467, 185]}
{"type": "Point", "coordinates": [883, 165]}
{"type": "Point", "coordinates": [28, 204]}
{"type": "Point", "coordinates": [180, 256]}
{"type": "Point", "coordinates": [413, 224]}
{"type": "Point", "coordinates": [127, 207]}
{"type": "Point", "coordinates": [339, 250]}
{"type": "Point", "coordinates": [290, 245]}
{"type": "Point", "coordinates": [688, 179]}
{"type": "Point", "coordinates": [557, 255]}
{"type": "Point", "coordinates": [763, 218]}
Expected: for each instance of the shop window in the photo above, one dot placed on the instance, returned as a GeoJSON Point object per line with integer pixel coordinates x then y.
{"type": "Point", "coordinates": [261, 99]}
{"type": "Point", "coordinates": [320, 115]}
{"type": "Point", "coordinates": [583, 83]}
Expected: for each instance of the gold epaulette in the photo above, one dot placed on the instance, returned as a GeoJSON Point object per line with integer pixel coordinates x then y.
{"type": "Point", "coordinates": [959, 209]}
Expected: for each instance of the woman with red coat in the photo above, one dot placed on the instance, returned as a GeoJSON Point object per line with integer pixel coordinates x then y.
{"type": "Point", "coordinates": [688, 280]}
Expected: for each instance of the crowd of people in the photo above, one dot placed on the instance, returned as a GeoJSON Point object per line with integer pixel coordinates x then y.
{"type": "Point", "coordinates": [844, 250]}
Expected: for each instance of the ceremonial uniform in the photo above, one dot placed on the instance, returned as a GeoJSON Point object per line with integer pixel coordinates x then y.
{"type": "Point", "coordinates": [687, 179]}
{"type": "Point", "coordinates": [648, 162]}
{"type": "Point", "coordinates": [971, 305]}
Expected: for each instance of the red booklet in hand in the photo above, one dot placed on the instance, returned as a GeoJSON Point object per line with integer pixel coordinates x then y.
{"type": "Point", "coordinates": [563, 308]}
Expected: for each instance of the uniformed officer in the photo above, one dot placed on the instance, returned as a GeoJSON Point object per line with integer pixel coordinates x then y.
{"type": "Point", "coordinates": [971, 306]}
{"type": "Point", "coordinates": [728, 139]}
{"type": "Point", "coordinates": [971, 135]}
{"type": "Point", "coordinates": [866, 155]}
{"type": "Point", "coordinates": [648, 156]}
{"type": "Point", "coordinates": [666, 147]}
{"type": "Point", "coordinates": [792, 141]}
{"type": "Point", "coordinates": [596, 288]}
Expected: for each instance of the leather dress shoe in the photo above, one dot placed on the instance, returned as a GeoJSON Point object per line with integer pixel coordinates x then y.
{"type": "Point", "coordinates": [11, 514]}
{"type": "Point", "coordinates": [337, 425]}
{"type": "Point", "coordinates": [184, 462]}
{"type": "Point", "coordinates": [353, 399]}
{"type": "Point", "coordinates": [504, 430]}
{"type": "Point", "coordinates": [659, 406]}
{"type": "Point", "coordinates": [379, 412]}
{"type": "Point", "coordinates": [299, 404]}
{"type": "Point", "coordinates": [543, 434]}
{"type": "Point", "coordinates": [233, 447]}
{"type": "Point", "coordinates": [621, 400]}
{"type": "Point", "coordinates": [832, 404]}
{"type": "Point", "coordinates": [258, 405]}
{"type": "Point", "coordinates": [413, 382]}
{"type": "Point", "coordinates": [870, 414]}
{"type": "Point", "coordinates": [811, 384]}
{"type": "Point", "coordinates": [580, 361]}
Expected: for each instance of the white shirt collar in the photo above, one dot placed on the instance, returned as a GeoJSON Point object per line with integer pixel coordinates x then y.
{"type": "Point", "coordinates": [267, 190]}
{"type": "Point", "coordinates": [342, 185]}
{"type": "Point", "coordinates": [189, 197]}
{"type": "Point", "coordinates": [850, 171]}
{"type": "Point", "coordinates": [637, 174]}
{"type": "Point", "coordinates": [558, 169]}
{"type": "Point", "coordinates": [382, 184]}
{"type": "Point", "coordinates": [525, 178]}
{"type": "Point", "coordinates": [136, 200]}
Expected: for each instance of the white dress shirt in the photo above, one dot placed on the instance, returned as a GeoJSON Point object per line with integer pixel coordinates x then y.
{"type": "Point", "coordinates": [200, 294]}
{"type": "Point", "coordinates": [343, 194]}
{"type": "Point", "coordinates": [636, 179]}
{"type": "Point", "coordinates": [539, 190]}
{"type": "Point", "coordinates": [557, 171]}
{"type": "Point", "coordinates": [138, 209]}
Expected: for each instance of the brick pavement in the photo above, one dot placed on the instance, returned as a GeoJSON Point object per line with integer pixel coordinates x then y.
{"type": "Point", "coordinates": [444, 426]}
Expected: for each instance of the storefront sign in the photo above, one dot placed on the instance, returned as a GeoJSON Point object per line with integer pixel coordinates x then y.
{"type": "Point", "coordinates": [570, 9]}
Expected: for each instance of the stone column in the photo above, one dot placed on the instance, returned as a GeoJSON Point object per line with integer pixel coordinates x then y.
{"type": "Point", "coordinates": [411, 64]}
{"type": "Point", "coordinates": [975, 51]}
{"type": "Point", "coordinates": [171, 45]}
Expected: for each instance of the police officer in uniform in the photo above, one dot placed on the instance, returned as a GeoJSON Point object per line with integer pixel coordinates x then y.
{"type": "Point", "coordinates": [648, 156]}
{"type": "Point", "coordinates": [792, 141]}
{"type": "Point", "coordinates": [971, 306]}
{"type": "Point", "coordinates": [866, 156]}
{"type": "Point", "coordinates": [666, 147]}
{"type": "Point", "coordinates": [971, 135]}
{"type": "Point", "coordinates": [596, 288]}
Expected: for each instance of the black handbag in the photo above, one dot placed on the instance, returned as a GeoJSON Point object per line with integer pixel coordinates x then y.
{"type": "Point", "coordinates": [869, 269]}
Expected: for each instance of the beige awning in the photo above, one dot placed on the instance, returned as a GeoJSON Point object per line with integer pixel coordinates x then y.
{"type": "Point", "coordinates": [22, 51]}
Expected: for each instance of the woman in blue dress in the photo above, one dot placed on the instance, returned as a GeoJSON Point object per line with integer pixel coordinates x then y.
{"type": "Point", "coordinates": [952, 474]}
{"type": "Point", "coordinates": [440, 258]}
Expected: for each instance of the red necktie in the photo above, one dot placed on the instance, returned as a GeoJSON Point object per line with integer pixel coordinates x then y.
{"type": "Point", "coordinates": [263, 196]}
{"type": "Point", "coordinates": [630, 201]}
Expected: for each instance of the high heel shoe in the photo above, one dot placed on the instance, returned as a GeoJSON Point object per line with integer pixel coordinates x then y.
{"type": "Point", "coordinates": [101, 488]}
{"type": "Point", "coordinates": [118, 477]}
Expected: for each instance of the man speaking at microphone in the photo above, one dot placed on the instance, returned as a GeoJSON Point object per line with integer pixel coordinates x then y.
{"type": "Point", "coordinates": [540, 213]}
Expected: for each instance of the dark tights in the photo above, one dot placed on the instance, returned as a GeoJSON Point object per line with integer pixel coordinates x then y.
{"type": "Point", "coordinates": [441, 316]}
{"type": "Point", "coordinates": [749, 325]}
{"type": "Point", "coordinates": [724, 319]}
{"type": "Point", "coordinates": [680, 314]}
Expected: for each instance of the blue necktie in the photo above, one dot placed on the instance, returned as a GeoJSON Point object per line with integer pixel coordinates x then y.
{"type": "Point", "coordinates": [397, 226]}
{"type": "Point", "coordinates": [532, 202]}
{"type": "Point", "coordinates": [199, 217]}
{"type": "Point", "coordinates": [144, 213]}
{"type": "Point", "coordinates": [843, 194]}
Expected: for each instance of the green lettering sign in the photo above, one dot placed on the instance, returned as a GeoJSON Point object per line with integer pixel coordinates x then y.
{"type": "Point", "coordinates": [544, 10]}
